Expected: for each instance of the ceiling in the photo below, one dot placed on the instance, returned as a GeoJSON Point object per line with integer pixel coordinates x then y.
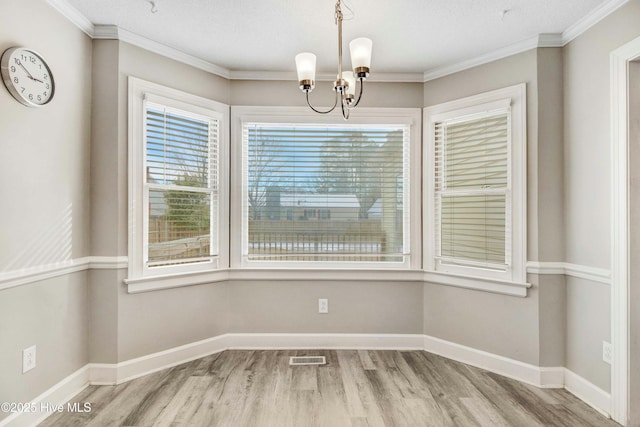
{"type": "Point", "coordinates": [409, 36]}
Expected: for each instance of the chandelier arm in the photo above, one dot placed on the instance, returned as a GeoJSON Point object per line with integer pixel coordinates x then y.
{"type": "Point", "coordinates": [323, 112]}
{"type": "Point", "coordinates": [345, 111]}
{"type": "Point", "coordinates": [360, 93]}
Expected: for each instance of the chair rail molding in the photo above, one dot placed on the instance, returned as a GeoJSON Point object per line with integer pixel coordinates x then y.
{"type": "Point", "coordinates": [594, 274]}
{"type": "Point", "coordinates": [25, 276]}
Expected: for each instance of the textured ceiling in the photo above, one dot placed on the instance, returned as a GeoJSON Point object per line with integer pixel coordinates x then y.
{"type": "Point", "coordinates": [409, 36]}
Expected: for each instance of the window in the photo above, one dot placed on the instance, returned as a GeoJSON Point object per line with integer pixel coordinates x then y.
{"type": "Point", "coordinates": [176, 182]}
{"type": "Point", "coordinates": [330, 194]}
{"type": "Point", "coordinates": [476, 189]}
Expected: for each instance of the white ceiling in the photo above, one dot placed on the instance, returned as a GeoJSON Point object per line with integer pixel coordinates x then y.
{"type": "Point", "coordinates": [409, 36]}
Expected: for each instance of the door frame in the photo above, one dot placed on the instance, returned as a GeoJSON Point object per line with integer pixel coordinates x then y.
{"type": "Point", "coordinates": [619, 67]}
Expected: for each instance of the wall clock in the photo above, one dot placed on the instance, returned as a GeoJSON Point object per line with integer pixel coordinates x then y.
{"type": "Point", "coordinates": [27, 76]}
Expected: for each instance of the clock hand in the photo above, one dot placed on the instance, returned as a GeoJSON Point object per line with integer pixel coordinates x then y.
{"type": "Point", "coordinates": [24, 68]}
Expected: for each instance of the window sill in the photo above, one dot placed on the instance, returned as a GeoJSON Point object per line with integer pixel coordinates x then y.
{"type": "Point", "coordinates": [477, 283]}
{"type": "Point", "coordinates": [147, 284]}
{"type": "Point", "coordinates": [156, 283]}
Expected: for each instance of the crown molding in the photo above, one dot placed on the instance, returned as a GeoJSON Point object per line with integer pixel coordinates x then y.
{"type": "Point", "coordinates": [112, 32]}
{"type": "Point", "coordinates": [73, 15]}
{"type": "Point", "coordinates": [515, 48]}
{"type": "Point", "coordinates": [265, 75]}
{"type": "Point", "coordinates": [329, 77]}
{"type": "Point", "coordinates": [550, 40]}
{"type": "Point", "coordinates": [595, 16]}
{"type": "Point", "coordinates": [105, 32]}
{"type": "Point", "coordinates": [542, 40]}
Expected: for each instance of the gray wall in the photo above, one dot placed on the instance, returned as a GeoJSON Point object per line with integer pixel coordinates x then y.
{"type": "Point", "coordinates": [546, 206]}
{"type": "Point", "coordinates": [44, 164]}
{"type": "Point", "coordinates": [586, 135]}
{"type": "Point", "coordinates": [106, 171]}
{"type": "Point", "coordinates": [588, 324]}
{"type": "Point", "coordinates": [354, 307]}
{"type": "Point", "coordinates": [287, 93]}
{"type": "Point", "coordinates": [498, 324]}
{"type": "Point", "coordinates": [129, 326]}
{"type": "Point", "coordinates": [52, 315]}
{"type": "Point", "coordinates": [504, 325]}
{"type": "Point", "coordinates": [587, 186]}
{"type": "Point", "coordinates": [44, 173]}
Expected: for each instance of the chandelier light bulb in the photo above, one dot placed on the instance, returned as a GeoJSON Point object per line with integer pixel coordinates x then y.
{"type": "Point", "coordinates": [351, 82]}
{"type": "Point", "coordinates": [306, 67]}
{"type": "Point", "coordinates": [361, 53]}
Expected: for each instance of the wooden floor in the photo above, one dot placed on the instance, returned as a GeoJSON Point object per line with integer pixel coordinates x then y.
{"type": "Point", "coordinates": [354, 388]}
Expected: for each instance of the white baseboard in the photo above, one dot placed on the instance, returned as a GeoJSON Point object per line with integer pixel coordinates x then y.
{"type": "Point", "coordinates": [110, 374]}
{"type": "Point", "coordinates": [552, 377]}
{"type": "Point", "coordinates": [117, 373]}
{"type": "Point", "coordinates": [525, 372]}
{"type": "Point", "coordinates": [103, 373]}
{"type": "Point", "coordinates": [325, 341]}
{"type": "Point", "coordinates": [144, 365]}
{"type": "Point", "coordinates": [588, 392]}
{"type": "Point", "coordinates": [43, 406]}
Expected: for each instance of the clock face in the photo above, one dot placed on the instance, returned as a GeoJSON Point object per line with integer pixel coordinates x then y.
{"type": "Point", "coordinates": [27, 76]}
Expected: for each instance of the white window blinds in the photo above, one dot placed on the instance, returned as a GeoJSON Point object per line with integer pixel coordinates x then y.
{"type": "Point", "coordinates": [325, 193]}
{"type": "Point", "coordinates": [181, 157]}
{"type": "Point", "coordinates": [472, 212]}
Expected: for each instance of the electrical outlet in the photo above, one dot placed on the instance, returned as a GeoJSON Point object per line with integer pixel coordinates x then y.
{"type": "Point", "coordinates": [28, 359]}
{"type": "Point", "coordinates": [606, 352]}
{"type": "Point", "coordinates": [323, 305]}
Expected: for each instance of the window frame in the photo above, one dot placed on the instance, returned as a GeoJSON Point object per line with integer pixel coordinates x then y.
{"type": "Point", "coordinates": [512, 98]}
{"type": "Point", "coordinates": [301, 115]}
{"type": "Point", "coordinates": [139, 91]}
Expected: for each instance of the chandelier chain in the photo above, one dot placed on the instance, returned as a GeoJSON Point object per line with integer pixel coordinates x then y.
{"type": "Point", "coordinates": [338, 15]}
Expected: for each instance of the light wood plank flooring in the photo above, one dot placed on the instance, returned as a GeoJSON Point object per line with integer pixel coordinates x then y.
{"type": "Point", "coordinates": [354, 388]}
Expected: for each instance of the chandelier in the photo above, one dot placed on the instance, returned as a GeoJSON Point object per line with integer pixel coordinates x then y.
{"type": "Point", "coordinates": [345, 84]}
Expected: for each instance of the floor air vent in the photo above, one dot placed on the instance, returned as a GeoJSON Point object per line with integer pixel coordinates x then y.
{"type": "Point", "coordinates": [307, 360]}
